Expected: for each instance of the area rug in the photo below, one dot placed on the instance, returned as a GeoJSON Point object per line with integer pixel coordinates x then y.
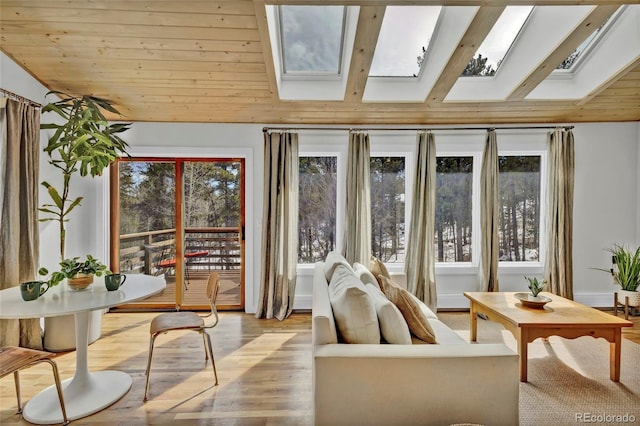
{"type": "Point", "coordinates": [568, 379]}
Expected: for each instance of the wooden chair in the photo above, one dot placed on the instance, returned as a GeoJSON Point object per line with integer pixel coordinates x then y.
{"type": "Point", "coordinates": [13, 359]}
{"type": "Point", "coordinates": [176, 321]}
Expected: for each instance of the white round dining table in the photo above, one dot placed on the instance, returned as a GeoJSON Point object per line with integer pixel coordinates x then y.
{"type": "Point", "coordinates": [86, 392]}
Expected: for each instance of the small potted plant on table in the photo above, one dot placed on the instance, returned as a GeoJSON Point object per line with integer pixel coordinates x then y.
{"type": "Point", "coordinates": [79, 274]}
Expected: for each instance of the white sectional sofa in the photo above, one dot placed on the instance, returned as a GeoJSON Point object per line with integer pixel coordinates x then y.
{"type": "Point", "coordinates": [408, 384]}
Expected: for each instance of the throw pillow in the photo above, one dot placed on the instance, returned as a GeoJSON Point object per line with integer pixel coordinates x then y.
{"type": "Point", "coordinates": [411, 311]}
{"type": "Point", "coordinates": [393, 327]}
{"type": "Point", "coordinates": [364, 274]}
{"type": "Point", "coordinates": [353, 309]}
{"type": "Point", "coordinates": [423, 307]}
{"type": "Point", "coordinates": [377, 268]}
{"type": "Point", "coordinates": [334, 259]}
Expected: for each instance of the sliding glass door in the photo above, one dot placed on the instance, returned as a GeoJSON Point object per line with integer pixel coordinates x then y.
{"type": "Point", "coordinates": [181, 219]}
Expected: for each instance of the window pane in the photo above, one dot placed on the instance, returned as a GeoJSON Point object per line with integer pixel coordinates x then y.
{"type": "Point", "coordinates": [147, 196]}
{"type": "Point", "coordinates": [147, 213]}
{"type": "Point", "coordinates": [571, 60]}
{"type": "Point", "coordinates": [453, 209]}
{"type": "Point", "coordinates": [211, 194]}
{"type": "Point", "coordinates": [402, 53]}
{"type": "Point", "coordinates": [212, 220]}
{"type": "Point", "coordinates": [312, 38]}
{"type": "Point", "coordinates": [519, 216]}
{"type": "Point", "coordinates": [387, 208]}
{"type": "Point", "coordinates": [495, 46]}
{"type": "Point", "coordinates": [317, 207]}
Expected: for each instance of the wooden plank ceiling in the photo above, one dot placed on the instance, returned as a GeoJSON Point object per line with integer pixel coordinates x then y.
{"type": "Point", "coordinates": [211, 61]}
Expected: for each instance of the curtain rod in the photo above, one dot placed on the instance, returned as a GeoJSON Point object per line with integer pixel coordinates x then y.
{"type": "Point", "coordinates": [19, 98]}
{"type": "Point", "coordinates": [266, 129]}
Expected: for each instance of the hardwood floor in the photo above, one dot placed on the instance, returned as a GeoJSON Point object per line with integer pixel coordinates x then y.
{"type": "Point", "coordinates": [264, 368]}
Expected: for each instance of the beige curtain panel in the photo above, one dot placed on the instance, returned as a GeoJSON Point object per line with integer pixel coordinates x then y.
{"type": "Point", "coordinates": [280, 225]}
{"type": "Point", "coordinates": [559, 260]}
{"type": "Point", "coordinates": [489, 215]}
{"type": "Point", "coordinates": [420, 261]}
{"type": "Point", "coordinates": [19, 238]}
{"type": "Point", "coordinates": [357, 234]}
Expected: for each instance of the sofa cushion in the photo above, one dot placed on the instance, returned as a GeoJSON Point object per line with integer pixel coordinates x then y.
{"type": "Point", "coordinates": [364, 274]}
{"type": "Point", "coordinates": [353, 309]}
{"type": "Point", "coordinates": [445, 335]}
{"type": "Point", "coordinates": [334, 259]}
{"type": "Point", "coordinates": [393, 327]}
{"type": "Point", "coordinates": [411, 311]}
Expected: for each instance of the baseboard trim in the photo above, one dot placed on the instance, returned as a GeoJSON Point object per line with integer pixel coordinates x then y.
{"type": "Point", "coordinates": [302, 302]}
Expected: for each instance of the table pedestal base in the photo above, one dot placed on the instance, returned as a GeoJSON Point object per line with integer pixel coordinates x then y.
{"type": "Point", "coordinates": [82, 397]}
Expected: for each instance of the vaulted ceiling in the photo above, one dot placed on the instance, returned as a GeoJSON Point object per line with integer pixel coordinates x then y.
{"type": "Point", "coordinates": [215, 61]}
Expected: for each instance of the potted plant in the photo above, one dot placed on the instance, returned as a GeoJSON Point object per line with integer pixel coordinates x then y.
{"type": "Point", "coordinates": [79, 274]}
{"type": "Point", "coordinates": [85, 143]}
{"type": "Point", "coordinates": [535, 286]}
{"type": "Point", "coordinates": [626, 272]}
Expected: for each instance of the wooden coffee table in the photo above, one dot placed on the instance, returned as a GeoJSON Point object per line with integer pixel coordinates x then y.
{"type": "Point", "coordinates": [560, 317]}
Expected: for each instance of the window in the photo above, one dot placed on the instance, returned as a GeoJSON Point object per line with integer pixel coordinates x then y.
{"type": "Point", "coordinates": [387, 176]}
{"type": "Point", "coordinates": [402, 53]}
{"type": "Point", "coordinates": [495, 46]}
{"type": "Point", "coordinates": [570, 62]}
{"type": "Point", "coordinates": [312, 38]}
{"type": "Point", "coordinates": [317, 208]}
{"type": "Point", "coordinates": [454, 188]}
{"type": "Point", "coordinates": [519, 214]}
{"type": "Point", "coordinates": [456, 246]}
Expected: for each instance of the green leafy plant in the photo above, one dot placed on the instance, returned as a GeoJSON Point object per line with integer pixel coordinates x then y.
{"type": "Point", "coordinates": [83, 143]}
{"type": "Point", "coordinates": [535, 286]}
{"type": "Point", "coordinates": [69, 268]}
{"type": "Point", "coordinates": [626, 268]}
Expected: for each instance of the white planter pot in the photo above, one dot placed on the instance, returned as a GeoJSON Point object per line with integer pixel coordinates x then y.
{"type": "Point", "coordinates": [60, 334]}
{"type": "Point", "coordinates": [634, 297]}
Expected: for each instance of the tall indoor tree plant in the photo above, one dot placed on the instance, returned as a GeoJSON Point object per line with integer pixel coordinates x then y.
{"type": "Point", "coordinates": [83, 142]}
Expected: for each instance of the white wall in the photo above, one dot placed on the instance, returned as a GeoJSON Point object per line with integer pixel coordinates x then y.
{"type": "Point", "coordinates": [606, 205]}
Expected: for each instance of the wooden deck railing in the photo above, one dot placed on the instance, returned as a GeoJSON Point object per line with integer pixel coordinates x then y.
{"type": "Point", "coordinates": [153, 252]}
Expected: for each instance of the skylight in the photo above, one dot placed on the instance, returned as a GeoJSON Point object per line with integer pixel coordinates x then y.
{"type": "Point", "coordinates": [570, 62]}
{"type": "Point", "coordinates": [495, 46]}
{"type": "Point", "coordinates": [399, 53]}
{"type": "Point", "coordinates": [311, 39]}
